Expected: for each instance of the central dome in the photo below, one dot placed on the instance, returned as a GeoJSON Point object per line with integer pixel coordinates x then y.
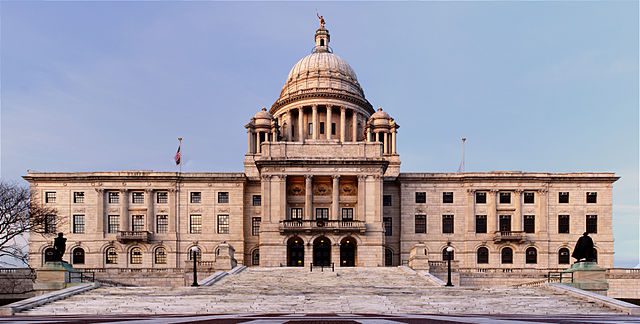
{"type": "Point", "coordinates": [321, 74]}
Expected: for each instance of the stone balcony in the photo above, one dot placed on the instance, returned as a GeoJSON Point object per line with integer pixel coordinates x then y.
{"type": "Point", "coordinates": [299, 225]}
{"type": "Point", "coordinates": [509, 236]}
{"type": "Point", "coordinates": [133, 236]}
{"type": "Point", "coordinates": [321, 150]}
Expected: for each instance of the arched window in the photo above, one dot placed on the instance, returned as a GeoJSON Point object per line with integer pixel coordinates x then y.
{"type": "Point", "coordinates": [482, 255]}
{"type": "Point", "coordinates": [135, 256]}
{"type": "Point", "coordinates": [255, 257]}
{"type": "Point", "coordinates": [563, 256]}
{"type": "Point", "coordinates": [531, 255]}
{"type": "Point", "coordinates": [111, 255]}
{"type": "Point", "coordinates": [322, 42]}
{"type": "Point", "coordinates": [160, 256]}
{"type": "Point", "coordinates": [198, 254]}
{"type": "Point", "coordinates": [49, 255]}
{"type": "Point", "coordinates": [78, 256]}
{"type": "Point", "coordinates": [507, 255]}
{"type": "Point", "coordinates": [445, 255]}
{"type": "Point", "coordinates": [388, 257]}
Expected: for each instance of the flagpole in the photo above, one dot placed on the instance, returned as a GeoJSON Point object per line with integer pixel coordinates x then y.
{"type": "Point", "coordinates": [177, 221]}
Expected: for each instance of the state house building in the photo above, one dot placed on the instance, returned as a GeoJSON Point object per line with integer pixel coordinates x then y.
{"type": "Point", "coordinates": [322, 184]}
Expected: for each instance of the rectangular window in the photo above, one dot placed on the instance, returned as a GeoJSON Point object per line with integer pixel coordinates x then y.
{"type": "Point", "coordinates": [78, 197]}
{"type": "Point", "coordinates": [162, 197]}
{"type": "Point", "coordinates": [563, 224]}
{"type": "Point", "coordinates": [505, 197]}
{"type": "Point", "coordinates": [255, 226]}
{"type": "Point", "coordinates": [322, 213]}
{"type": "Point", "coordinates": [223, 197]}
{"type": "Point", "coordinates": [50, 224]}
{"type": "Point", "coordinates": [50, 197]}
{"type": "Point", "coordinates": [196, 197]}
{"type": "Point", "coordinates": [296, 213]}
{"type": "Point", "coordinates": [388, 228]}
{"type": "Point", "coordinates": [529, 197]}
{"type": "Point", "coordinates": [113, 197]}
{"type": "Point", "coordinates": [137, 197]}
{"type": "Point", "coordinates": [592, 224]}
{"type": "Point", "coordinates": [321, 127]}
{"type": "Point", "coordinates": [421, 224]}
{"type": "Point", "coordinates": [223, 224]}
{"type": "Point", "coordinates": [309, 129]}
{"type": "Point", "coordinates": [113, 224]}
{"type": "Point", "coordinates": [386, 200]}
{"type": "Point", "coordinates": [137, 223]}
{"type": "Point", "coordinates": [347, 214]}
{"type": "Point", "coordinates": [563, 197]}
{"type": "Point", "coordinates": [333, 128]}
{"type": "Point", "coordinates": [481, 223]}
{"type": "Point", "coordinates": [592, 197]}
{"type": "Point", "coordinates": [257, 200]}
{"type": "Point", "coordinates": [529, 223]}
{"type": "Point", "coordinates": [162, 224]}
{"type": "Point", "coordinates": [195, 224]}
{"type": "Point", "coordinates": [78, 224]}
{"type": "Point", "coordinates": [421, 197]}
{"type": "Point", "coordinates": [481, 197]}
{"type": "Point", "coordinates": [505, 223]}
{"type": "Point", "coordinates": [447, 197]}
{"type": "Point", "coordinates": [447, 224]}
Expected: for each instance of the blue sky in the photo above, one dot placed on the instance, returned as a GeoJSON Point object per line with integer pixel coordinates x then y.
{"type": "Point", "coordinates": [534, 86]}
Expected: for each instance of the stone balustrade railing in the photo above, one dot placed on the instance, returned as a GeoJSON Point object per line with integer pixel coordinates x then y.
{"type": "Point", "coordinates": [322, 225]}
{"type": "Point", "coordinates": [316, 149]}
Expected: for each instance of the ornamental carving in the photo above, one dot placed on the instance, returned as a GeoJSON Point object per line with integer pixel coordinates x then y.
{"type": "Point", "coordinates": [114, 210]}
{"type": "Point", "coordinates": [349, 189]}
{"type": "Point", "coordinates": [224, 210]}
{"type": "Point", "coordinates": [296, 189]}
{"type": "Point", "coordinates": [322, 189]}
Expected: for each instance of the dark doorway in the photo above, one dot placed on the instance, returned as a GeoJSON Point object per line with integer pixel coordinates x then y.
{"type": "Point", "coordinates": [295, 252]}
{"type": "Point", "coordinates": [348, 250]}
{"type": "Point", "coordinates": [388, 257]}
{"type": "Point", "coordinates": [322, 252]}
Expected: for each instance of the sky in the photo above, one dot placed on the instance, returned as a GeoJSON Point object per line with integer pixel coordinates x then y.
{"type": "Point", "coordinates": [533, 86]}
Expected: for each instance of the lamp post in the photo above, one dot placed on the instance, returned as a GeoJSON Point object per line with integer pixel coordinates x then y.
{"type": "Point", "coordinates": [194, 251]}
{"type": "Point", "coordinates": [449, 251]}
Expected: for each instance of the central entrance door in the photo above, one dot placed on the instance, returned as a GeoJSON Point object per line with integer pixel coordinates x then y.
{"type": "Point", "coordinates": [322, 251]}
{"type": "Point", "coordinates": [295, 252]}
{"type": "Point", "coordinates": [348, 252]}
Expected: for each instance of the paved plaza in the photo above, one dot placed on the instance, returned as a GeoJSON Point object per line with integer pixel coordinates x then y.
{"type": "Point", "coordinates": [390, 290]}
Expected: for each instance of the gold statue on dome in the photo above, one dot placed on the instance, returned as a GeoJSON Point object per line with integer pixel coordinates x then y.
{"type": "Point", "coordinates": [321, 19]}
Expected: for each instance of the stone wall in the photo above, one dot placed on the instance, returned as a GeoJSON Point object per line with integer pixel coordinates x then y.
{"type": "Point", "coordinates": [16, 284]}
{"type": "Point", "coordinates": [150, 277]}
{"type": "Point", "coordinates": [624, 283]}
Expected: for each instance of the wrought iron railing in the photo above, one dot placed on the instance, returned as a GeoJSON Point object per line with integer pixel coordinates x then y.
{"type": "Point", "coordinates": [81, 276]}
{"type": "Point", "coordinates": [559, 276]}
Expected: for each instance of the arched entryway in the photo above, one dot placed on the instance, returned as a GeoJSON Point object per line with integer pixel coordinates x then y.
{"type": "Point", "coordinates": [295, 252]}
{"type": "Point", "coordinates": [348, 249]}
{"type": "Point", "coordinates": [322, 251]}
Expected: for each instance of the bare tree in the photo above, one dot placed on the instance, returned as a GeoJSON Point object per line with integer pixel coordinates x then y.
{"type": "Point", "coordinates": [21, 214]}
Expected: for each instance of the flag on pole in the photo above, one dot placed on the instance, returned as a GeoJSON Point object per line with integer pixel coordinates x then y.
{"type": "Point", "coordinates": [178, 156]}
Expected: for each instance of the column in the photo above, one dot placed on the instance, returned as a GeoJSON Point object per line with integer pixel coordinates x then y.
{"type": "Point", "coordinates": [100, 210]}
{"type": "Point", "coordinates": [288, 120]}
{"type": "Point", "coordinates": [274, 134]}
{"type": "Point", "coordinates": [393, 141]}
{"type": "Point", "coordinates": [542, 217]}
{"type": "Point", "coordinates": [471, 212]}
{"type": "Point", "coordinates": [314, 121]}
{"type": "Point", "coordinates": [335, 198]}
{"type": "Point", "coordinates": [300, 125]}
{"type": "Point", "coordinates": [150, 212]}
{"type": "Point", "coordinates": [492, 222]}
{"type": "Point", "coordinates": [266, 198]}
{"type": "Point", "coordinates": [367, 133]}
{"type": "Point", "coordinates": [249, 150]}
{"type": "Point", "coordinates": [385, 143]}
{"type": "Point", "coordinates": [361, 198]}
{"type": "Point", "coordinates": [517, 217]}
{"type": "Point", "coordinates": [343, 121]}
{"type": "Point", "coordinates": [124, 210]}
{"type": "Point", "coordinates": [172, 210]}
{"type": "Point", "coordinates": [308, 197]}
{"type": "Point", "coordinates": [258, 142]}
{"type": "Point", "coordinates": [354, 120]}
{"type": "Point", "coordinates": [327, 127]}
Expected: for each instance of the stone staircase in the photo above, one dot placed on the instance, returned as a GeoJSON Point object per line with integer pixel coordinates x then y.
{"type": "Point", "coordinates": [296, 290]}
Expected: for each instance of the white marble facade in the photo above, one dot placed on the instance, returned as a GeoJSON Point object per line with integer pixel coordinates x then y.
{"type": "Point", "coordinates": [322, 184]}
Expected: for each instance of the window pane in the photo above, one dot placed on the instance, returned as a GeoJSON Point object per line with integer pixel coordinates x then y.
{"type": "Point", "coordinates": [507, 256]}
{"type": "Point", "coordinates": [447, 224]}
{"type": "Point", "coordinates": [563, 224]}
{"type": "Point", "coordinates": [113, 224]}
{"type": "Point", "coordinates": [137, 197]}
{"type": "Point", "coordinates": [137, 223]}
{"type": "Point", "coordinates": [322, 213]}
{"type": "Point", "coordinates": [78, 224]}
{"type": "Point", "coordinates": [421, 223]}
{"type": "Point", "coordinates": [481, 223]}
{"type": "Point", "coordinates": [162, 197]}
{"type": "Point", "coordinates": [162, 223]}
{"type": "Point", "coordinates": [195, 226]}
{"type": "Point", "coordinates": [447, 197]}
{"type": "Point", "coordinates": [196, 197]}
{"type": "Point", "coordinates": [50, 224]}
{"type": "Point", "coordinates": [111, 256]}
{"type": "Point", "coordinates": [223, 224]}
{"type": "Point", "coordinates": [505, 223]}
{"type": "Point", "coordinates": [563, 197]}
{"type": "Point", "coordinates": [483, 255]}
{"type": "Point", "coordinates": [136, 256]}
{"type": "Point", "coordinates": [255, 226]}
{"type": "Point", "coordinates": [592, 223]}
{"type": "Point", "coordinates": [563, 256]}
{"type": "Point", "coordinates": [257, 200]}
{"type": "Point", "coordinates": [296, 213]}
{"type": "Point", "coordinates": [529, 223]}
{"type": "Point", "coordinates": [223, 197]}
{"type": "Point", "coordinates": [481, 197]}
{"type": "Point", "coordinates": [505, 197]}
{"type": "Point", "coordinates": [388, 229]}
{"type": "Point", "coordinates": [421, 197]}
{"type": "Point", "coordinates": [114, 197]}
{"type": "Point", "coordinates": [161, 256]}
{"type": "Point", "coordinates": [592, 197]}
{"type": "Point", "coordinates": [531, 256]}
{"type": "Point", "coordinates": [50, 197]}
{"type": "Point", "coordinates": [347, 214]}
{"type": "Point", "coordinates": [78, 197]}
{"type": "Point", "coordinates": [386, 200]}
{"type": "Point", "coordinates": [529, 197]}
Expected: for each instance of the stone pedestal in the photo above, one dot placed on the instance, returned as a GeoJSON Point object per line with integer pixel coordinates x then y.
{"type": "Point", "coordinates": [225, 259]}
{"type": "Point", "coordinates": [589, 276]}
{"type": "Point", "coordinates": [418, 259]}
{"type": "Point", "coordinates": [52, 276]}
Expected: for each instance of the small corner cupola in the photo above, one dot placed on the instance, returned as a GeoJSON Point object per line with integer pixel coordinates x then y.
{"type": "Point", "coordinates": [322, 38]}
